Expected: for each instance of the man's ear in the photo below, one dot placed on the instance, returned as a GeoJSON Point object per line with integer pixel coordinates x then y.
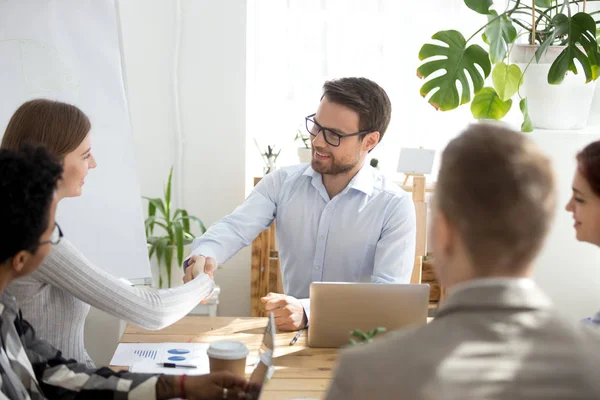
{"type": "Point", "coordinates": [370, 141]}
{"type": "Point", "coordinates": [443, 234]}
{"type": "Point", "coordinates": [19, 261]}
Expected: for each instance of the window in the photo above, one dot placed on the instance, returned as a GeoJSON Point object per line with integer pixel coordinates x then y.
{"type": "Point", "coordinates": [295, 45]}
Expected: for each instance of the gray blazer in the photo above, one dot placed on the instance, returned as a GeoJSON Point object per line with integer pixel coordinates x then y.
{"type": "Point", "coordinates": [492, 339]}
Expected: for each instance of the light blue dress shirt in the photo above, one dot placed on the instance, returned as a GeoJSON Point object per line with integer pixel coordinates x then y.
{"type": "Point", "coordinates": [367, 233]}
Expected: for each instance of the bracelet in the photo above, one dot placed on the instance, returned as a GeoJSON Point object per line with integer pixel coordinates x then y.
{"type": "Point", "coordinates": [182, 387]}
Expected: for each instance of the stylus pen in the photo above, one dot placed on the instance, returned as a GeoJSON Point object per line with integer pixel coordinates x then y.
{"type": "Point", "coordinates": [295, 339]}
{"type": "Point", "coordinates": [173, 365]}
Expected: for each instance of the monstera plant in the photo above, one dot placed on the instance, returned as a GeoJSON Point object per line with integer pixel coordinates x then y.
{"type": "Point", "coordinates": [545, 23]}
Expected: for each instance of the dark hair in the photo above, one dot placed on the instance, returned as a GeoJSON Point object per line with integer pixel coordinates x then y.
{"type": "Point", "coordinates": [58, 126]}
{"type": "Point", "coordinates": [28, 179]}
{"type": "Point", "coordinates": [496, 187]}
{"type": "Point", "coordinates": [588, 161]}
{"type": "Point", "coordinates": [365, 97]}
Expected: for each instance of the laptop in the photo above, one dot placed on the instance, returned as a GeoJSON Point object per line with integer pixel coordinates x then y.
{"type": "Point", "coordinates": [263, 369]}
{"type": "Point", "coordinates": [336, 309]}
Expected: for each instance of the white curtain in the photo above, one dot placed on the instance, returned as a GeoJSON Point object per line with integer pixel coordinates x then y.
{"type": "Point", "coordinates": [295, 45]}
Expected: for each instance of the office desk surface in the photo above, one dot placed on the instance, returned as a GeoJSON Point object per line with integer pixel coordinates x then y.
{"type": "Point", "coordinates": [300, 371]}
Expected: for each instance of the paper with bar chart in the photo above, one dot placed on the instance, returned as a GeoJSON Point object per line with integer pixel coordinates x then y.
{"type": "Point", "coordinates": [145, 357]}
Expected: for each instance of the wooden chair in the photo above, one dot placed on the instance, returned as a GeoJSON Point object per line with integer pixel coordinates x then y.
{"type": "Point", "coordinates": [265, 274]}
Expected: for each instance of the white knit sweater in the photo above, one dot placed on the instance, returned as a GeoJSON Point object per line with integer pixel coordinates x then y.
{"type": "Point", "coordinates": [56, 299]}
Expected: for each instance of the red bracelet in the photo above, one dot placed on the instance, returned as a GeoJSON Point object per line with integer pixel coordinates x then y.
{"type": "Point", "coordinates": [182, 387]}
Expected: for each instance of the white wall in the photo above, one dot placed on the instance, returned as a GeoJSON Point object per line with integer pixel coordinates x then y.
{"type": "Point", "coordinates": [566, 269]}
{"type": "Point", "coordinates": [212, 79]}
{"type": "Point", "coordinates": [212, 98]}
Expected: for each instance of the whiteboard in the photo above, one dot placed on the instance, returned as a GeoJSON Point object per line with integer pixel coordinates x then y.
{"type": "Point", "coordinates": [69, 50]}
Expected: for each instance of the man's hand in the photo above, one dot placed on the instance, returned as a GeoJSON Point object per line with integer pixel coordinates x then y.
{"type": "Point", "coordinates": [202, 387]}
{"type": "Point", "coordinates": [198, 264]}
{"type": "Point", "coordinates": [287, 310]}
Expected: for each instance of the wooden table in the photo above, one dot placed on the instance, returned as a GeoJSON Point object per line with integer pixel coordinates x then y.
{"type": "Point", "coordinates": [300, 371]}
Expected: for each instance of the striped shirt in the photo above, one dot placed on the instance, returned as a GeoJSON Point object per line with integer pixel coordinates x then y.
{"type": "Point", "coordinates": [31, 368]}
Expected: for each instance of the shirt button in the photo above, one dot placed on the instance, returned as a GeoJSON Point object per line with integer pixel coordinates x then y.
{"type": "Point", "coordinates": [321, 236]}
{"type": "Point", "coordinates": [317, 267]}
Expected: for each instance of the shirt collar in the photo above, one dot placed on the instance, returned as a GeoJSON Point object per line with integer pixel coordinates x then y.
{"type": "Point", "coordinates": [363, 180]}
{"type": "Point", "coordinates": [495, 293]}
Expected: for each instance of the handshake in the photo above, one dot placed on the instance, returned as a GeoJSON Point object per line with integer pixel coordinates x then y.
{"type": "Point", "coordinates": [288, 311]}
{"type": "Point", "coordinates": [197, 264]}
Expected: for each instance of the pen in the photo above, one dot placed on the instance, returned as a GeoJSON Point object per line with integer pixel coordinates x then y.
{"type": "Point", "coordinates": [173, 365]}
{"type": "Point", "coordinates": [295, 339]}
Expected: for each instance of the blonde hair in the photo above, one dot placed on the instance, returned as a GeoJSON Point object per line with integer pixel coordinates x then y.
{"type": "Point", "coordinates": [497, 189]}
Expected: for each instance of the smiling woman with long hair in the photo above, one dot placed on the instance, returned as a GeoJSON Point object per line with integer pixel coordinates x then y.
{"type": "Point", "coordinates": [56, 298]}
{"type": "Point", "coordinates": [585, 201]}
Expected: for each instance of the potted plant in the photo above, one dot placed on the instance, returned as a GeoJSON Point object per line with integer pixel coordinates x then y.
{"type": "Point", "coordinates": [304, 151]}
{"type": "Point", "coordinates": [175, 236]}
{"type": "Point", "coordinates": [357, 336]}
{"type": "Point", "coordinates": [562, 49]}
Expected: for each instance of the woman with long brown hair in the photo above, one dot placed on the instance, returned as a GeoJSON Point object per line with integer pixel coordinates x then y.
{"type": "Point", "coordinates": [57, 297]}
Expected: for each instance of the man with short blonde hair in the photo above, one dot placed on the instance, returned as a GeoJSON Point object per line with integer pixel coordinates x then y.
{"type": "Point", "coordinates": [497, 335]}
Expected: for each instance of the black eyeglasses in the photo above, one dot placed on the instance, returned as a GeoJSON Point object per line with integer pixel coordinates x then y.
{"type": "Point", "coordinates": [54, 237]}
{"type": "Point", "coordinates": [330, 136]}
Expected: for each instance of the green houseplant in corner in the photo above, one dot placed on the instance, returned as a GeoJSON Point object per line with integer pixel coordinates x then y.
{"type": "Point", "coordinates": [561, 43]}
{"type": "Point", "coordinates": [175, 233]}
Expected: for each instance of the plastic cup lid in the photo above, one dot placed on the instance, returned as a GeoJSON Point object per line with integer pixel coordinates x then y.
{"type": "Point", "coordinates": [227, 350]}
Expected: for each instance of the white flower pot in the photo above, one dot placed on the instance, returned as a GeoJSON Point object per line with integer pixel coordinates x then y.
{"type": "Point", "coordinates": [560, 107]}
{"type": "Point", "coordinates": [304, 155]}
{"type": "Point", "coordinates": [176, 270]}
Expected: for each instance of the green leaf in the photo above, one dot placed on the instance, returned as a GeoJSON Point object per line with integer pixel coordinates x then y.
{"type": "Point", "coordinates": [357, 333]}
{"type": "Point", "coordinates": [559, 19]}
{"type": "Point", "coordinates": [380, 330]}
{"type": "Point", "coordinates": [184, 218]}
{"type": "Point", "coordinates": [160, 249]}
{"type": "Point", "coordinates": [544, 3]}
{"type": "Point", "coordinates": [580, 30]}
{"type": "Point", "coordinates": [527, 125]}
{"type": "Point", "coordinates": [481, 6]}
{"type": "Point", "coordinates": [158, 204]}
{"type": "Point", "coordinates": [152, 249]}
{"type": "Point", "coordinates": [168, 196]}
{"type": "Point", "coordinates": [499, 34]}
{"type": "Point", "coordinates": [179, 242]}
{"type": "Point", "coordinates": [507, 79]}
{"type": "Point", "coordinates": [168, 263]}
{"type": "Point", "coordinates": [195, 219]}
{"type": "Point", "coordinates": [151, 214]}
{"type": "Point", "coordinates": [488, 105]}
{"type": "Point", "coordinates": [458, 60]}
{"type": "Point", "coordinates": [151, 221]}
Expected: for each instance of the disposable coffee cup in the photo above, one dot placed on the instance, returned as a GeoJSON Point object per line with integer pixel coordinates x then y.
{"type": "Point", "coordinates": [228, 356]}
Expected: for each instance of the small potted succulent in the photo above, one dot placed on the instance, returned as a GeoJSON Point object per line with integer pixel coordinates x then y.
{"type": "Point", "coordinates": [359, 337]}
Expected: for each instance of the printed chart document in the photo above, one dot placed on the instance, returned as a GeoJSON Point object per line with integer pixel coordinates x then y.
{"type": "Point", "coordinates": [146, 357]}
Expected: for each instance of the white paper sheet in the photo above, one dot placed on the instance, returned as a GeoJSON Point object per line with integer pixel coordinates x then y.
{"type": "Point", "coordinates": [144, 357]}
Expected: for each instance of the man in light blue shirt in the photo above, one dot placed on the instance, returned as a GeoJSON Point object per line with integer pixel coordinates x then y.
{"type": "Point", "coordinates": [338, 219]}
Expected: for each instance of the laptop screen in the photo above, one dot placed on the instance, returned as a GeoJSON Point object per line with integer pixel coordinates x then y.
{"type": "Point", "coordinates": [263, 369]}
